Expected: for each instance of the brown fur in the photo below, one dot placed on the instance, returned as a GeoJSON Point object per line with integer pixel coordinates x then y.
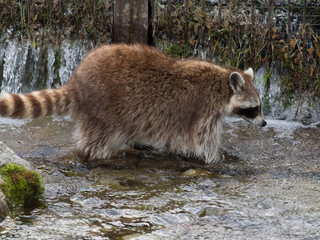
{"type": "Point", "coordinates": [123, 95]}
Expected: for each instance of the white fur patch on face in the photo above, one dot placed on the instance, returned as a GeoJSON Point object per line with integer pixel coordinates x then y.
{"type": "Point", "coordinates": [258, 121]}
{"type": "Point", "coordinates": [229, 107]}
{"type": "Point", "coordinates": [249, 104]}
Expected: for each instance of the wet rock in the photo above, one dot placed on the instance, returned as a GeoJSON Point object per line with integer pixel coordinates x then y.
{"type": "Point", "coordinates": [8, 156]}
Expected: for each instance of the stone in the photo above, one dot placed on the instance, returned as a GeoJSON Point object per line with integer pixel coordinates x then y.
{"type": "Point", "coordinates": [7, 155]}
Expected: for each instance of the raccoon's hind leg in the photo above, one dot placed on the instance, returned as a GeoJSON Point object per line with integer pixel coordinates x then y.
{"type": "Point", "coordinates": [96, 143]}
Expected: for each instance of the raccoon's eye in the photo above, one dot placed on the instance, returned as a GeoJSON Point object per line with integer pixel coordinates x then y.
{"type": "Point", "coordinates": [251, 112]}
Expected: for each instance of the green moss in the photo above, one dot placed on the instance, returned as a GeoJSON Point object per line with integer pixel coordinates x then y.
{"type": "Point", "coordinates": [21, 186]}
{"type": "Point", "coordinates": [203, 213]}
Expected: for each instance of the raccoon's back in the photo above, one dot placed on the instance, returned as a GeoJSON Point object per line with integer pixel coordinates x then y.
{"type": "Point", "coordinates": [136, 89]}
{"type": "Point", "coordinates": [117, 75]}
{"type": "Point", "coordinates": [120, 63]}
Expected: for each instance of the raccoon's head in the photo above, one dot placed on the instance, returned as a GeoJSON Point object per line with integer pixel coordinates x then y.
{"type": "Point", "coordinates": [245, 101]}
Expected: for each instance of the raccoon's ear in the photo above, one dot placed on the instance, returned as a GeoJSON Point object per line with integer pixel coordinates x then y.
{"type": "Point", "coordinates": [236, 82]}
{"type": "Point", "coordinates": [249, 71]}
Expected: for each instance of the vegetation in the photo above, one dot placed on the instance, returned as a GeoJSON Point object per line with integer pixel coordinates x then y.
{"type": "Point", "coordinates": [230, 34]}
{"type": "Point", "coordinates": [84, 19]}
{"type": "Point", "coordinates": [21, 186]}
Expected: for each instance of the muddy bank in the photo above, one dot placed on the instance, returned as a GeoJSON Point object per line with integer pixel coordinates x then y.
{"type": "Point", "coordinates": [266, 188]}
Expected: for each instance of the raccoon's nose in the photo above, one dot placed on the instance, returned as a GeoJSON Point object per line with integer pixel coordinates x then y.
{"type": "Point", "coordinates": [264, 123]}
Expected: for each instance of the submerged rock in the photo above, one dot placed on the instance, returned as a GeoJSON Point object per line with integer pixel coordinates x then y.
{"type": "Point", "coordinates": [212, 211]}
{"type": "Point", "coordinates": [197, 173]}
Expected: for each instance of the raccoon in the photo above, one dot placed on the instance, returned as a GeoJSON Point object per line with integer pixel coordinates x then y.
{"type": "Point", "coordinates": [122, 95]}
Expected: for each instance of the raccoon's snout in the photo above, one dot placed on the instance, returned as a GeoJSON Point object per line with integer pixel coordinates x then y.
{"type": "Point", "coordinates": [259, 122]}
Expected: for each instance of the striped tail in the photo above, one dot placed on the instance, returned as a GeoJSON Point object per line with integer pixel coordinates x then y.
{"type": "Point", "coordinates": [35, 104]}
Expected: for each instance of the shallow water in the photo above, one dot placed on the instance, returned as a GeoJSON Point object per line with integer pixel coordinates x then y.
{"type": "Point", "coordinates": [267, 187]}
